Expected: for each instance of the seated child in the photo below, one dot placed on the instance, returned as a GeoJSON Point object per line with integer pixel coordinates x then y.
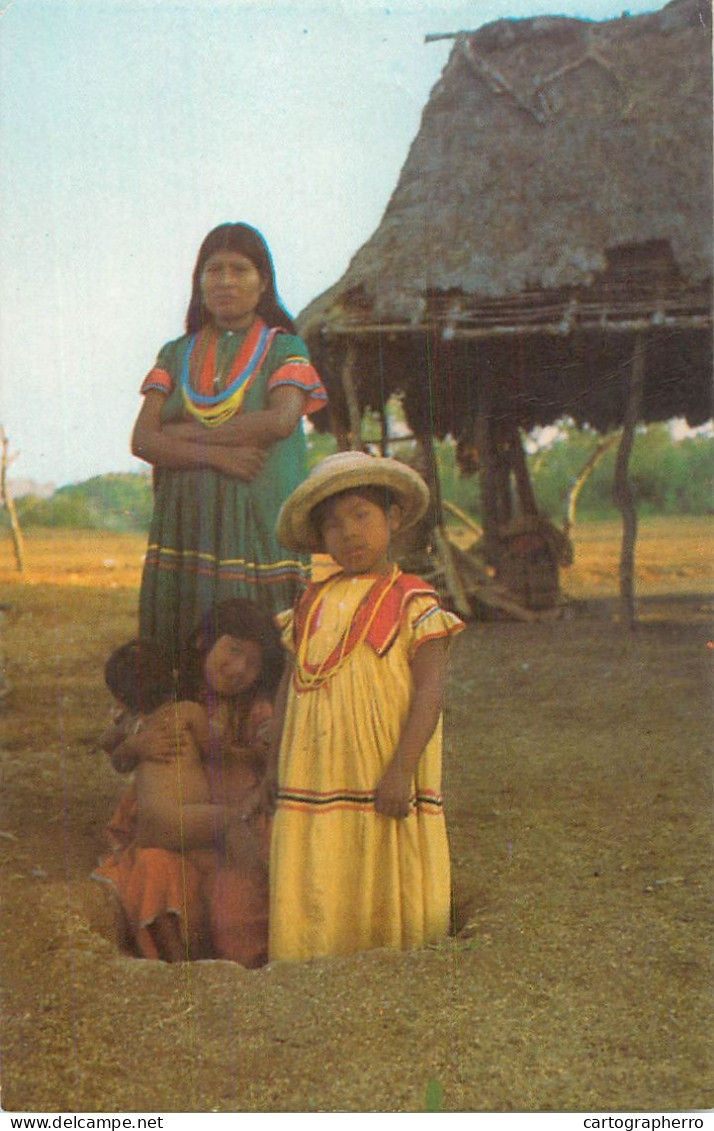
{"type": "Point", "coordinates": [154, 888]}
{"type": "Point", "coordinates": [190, 859]}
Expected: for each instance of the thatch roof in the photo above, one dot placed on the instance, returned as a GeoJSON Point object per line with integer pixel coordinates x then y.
{"type": "Point", "coordinates": [557, 198]}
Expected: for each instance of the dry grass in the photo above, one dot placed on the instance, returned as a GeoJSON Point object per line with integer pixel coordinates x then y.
{"type": "Point", "coordinates": [577, 775]}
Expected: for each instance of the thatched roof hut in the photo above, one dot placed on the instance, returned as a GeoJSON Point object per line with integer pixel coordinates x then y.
{"type": "Point", "coordinates": [552, 221]}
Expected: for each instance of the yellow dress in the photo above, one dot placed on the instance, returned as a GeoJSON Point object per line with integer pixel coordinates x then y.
{"type": "Point", "coordinates": [344, 878]}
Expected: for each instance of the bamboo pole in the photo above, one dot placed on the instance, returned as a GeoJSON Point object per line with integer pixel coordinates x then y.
{"type": "Point", "coordinates": [462, 516]}
{"type": "Point", "coordinates": [451, 572]}
{"type": "Point", "coordinates": [603, 445]}
{"type": "Point", "coordinates": [622, 490]}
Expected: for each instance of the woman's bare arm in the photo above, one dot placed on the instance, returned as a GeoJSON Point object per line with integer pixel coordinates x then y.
{"type": "Point", "coordinates": [163, 446]}
{"type": "Point", "coordinates": [263, 428]}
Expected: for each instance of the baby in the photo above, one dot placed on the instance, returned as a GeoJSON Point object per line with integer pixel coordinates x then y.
{"type": "Point", "coordinates": [142, 683]}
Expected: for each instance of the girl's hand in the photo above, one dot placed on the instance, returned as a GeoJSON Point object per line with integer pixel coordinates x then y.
{"type": "Point", "coordinates": [120, 727]}
{"type": "Point", "coordinates": [392, 797]}
{"type": "Point", "coordinates": [263, 734]}
{"type": "Point", "coordinates": [159, 740]}
{"type": "Point", "coordinates": [263, 798]}
{"type": "Point", "coordinates": [241, 844]}
{"type": "Point", "coordinates": [238, 463]}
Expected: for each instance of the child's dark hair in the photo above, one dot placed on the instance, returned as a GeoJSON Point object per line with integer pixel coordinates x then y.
{"type": "Point", "coordinates": [243, 240]}
{"type": "Point", "coordinates": [244, 620]}
{"type": "Point", "coordinates": [139, 675]}
{"type": "Point", "coordinates": [382, 497]}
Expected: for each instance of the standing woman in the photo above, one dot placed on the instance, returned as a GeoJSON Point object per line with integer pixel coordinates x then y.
{"type": "Point", "coordinates": [221, 423]}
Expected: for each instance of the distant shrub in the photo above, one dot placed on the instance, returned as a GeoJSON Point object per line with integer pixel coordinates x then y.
{"type": "Point", "coordinates": [668, 477]}
{"type": "Point", "coordinates": [117, 502]}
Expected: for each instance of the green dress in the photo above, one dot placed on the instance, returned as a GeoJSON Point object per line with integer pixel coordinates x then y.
{"type": "Point", "coordinates": [213, 536]}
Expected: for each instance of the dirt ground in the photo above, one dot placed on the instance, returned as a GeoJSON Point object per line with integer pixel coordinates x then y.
{"type": "Point", "coordinates": [578, 787]}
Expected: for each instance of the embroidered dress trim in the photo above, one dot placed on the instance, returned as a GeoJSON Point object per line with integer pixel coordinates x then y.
{"type": "Point", "coordinates": [426, 802]}
{"type": "Point", "coordinates": [216, 409]}
{"type": "Point", "coordinates": [233, 570]}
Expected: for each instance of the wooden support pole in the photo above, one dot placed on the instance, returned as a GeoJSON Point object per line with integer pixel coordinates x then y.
{"type": "Point", "coordinates": [524, 487]}
{"type": "Point", "coordinates": [487, 486]}
{"type": "Point", "coordinates": [502, 475]}
{"type": "Point", "coordinates": [9, 503]}
{"type": "Point", "coordinates": [431, 475]}
{"type": "Point", "coordinates": [348, 387]}
{"type": "Point", "coordinates": [384, 430]}
{"type": "Point", "coordinates": [622, 491]}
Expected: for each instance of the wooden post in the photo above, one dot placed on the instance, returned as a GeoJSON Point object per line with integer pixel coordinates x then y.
{"type": "Point", "coordinates": [384, 430]}
{"type": "Point", "coordinates": [9, 503]}
{"type": "Point", "coordinates": [524, 487]}
{"type": "Point", "coordinates": [501, 455]}
{"type": "Point", "coordinates": [431, 475]}
{"type": "Point", "coordinates": [487, 484]}
{"type": "Point", "coordinates": [622, 490]}
{"type": "Point", "coordinates": [348, 386]}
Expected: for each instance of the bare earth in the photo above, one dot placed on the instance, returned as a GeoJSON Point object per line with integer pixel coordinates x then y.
{"type": "Point", "coordinates": [578, 784]}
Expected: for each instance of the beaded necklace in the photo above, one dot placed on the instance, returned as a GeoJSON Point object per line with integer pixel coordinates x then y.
{"type": "Point", "coordinates": [215, 410]}
{"type": "Point", "coordinates": [309, 677]}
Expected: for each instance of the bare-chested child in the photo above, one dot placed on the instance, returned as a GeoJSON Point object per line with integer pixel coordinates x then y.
{"type": "Point", "coordinates": [189, 868]}
{"type": "Point", "coordinates": [142, 682]}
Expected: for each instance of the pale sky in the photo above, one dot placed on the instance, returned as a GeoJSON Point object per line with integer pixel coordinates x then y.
{"type": "Point", "coordinates": [130, 128]}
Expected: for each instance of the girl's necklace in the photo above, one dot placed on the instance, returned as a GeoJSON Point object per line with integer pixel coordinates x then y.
{"type": "Point", "coordinates": [311, 678]}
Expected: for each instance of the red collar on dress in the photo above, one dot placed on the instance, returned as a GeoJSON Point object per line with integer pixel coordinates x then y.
{"type": "Point", "coordinates": [385, 623]}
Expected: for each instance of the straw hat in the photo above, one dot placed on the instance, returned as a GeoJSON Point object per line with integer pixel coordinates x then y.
{"type": "Point", "coordinates": [343, 472]}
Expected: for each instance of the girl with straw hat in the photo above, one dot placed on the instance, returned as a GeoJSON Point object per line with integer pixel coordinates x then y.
{"type": "Point", "coordinates": [359, 855]}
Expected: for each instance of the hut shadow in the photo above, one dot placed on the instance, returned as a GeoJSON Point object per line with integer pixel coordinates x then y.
{"type": "Point", "coordinates": [689, 608]}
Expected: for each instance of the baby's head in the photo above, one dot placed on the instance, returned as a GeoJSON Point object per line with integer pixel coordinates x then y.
{"type": "Point", "coordinates": [234, 649]}
{"type": "Point", "coordinates": [139, 676]}
{"type": "Point", "coordinates": [351, 506]}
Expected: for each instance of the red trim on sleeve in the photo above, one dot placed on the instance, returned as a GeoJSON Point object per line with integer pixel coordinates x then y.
{"type": "Point", "coordinates": [300, 374]}
{"type": "Point", "coordinates": [157, 379]}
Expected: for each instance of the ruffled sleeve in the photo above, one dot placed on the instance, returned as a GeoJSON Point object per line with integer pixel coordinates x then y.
{"type": "Point", "coordinates": [160, 376]}
{"type": "Point", "coordinates": [427, 620]}
{"type": "Point", "coordinates": [292, 366]}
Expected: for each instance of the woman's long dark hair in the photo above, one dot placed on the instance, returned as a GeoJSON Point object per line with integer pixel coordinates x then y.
{"type": "Point", "coordinates": [244, 240]}
{"type": "Point", "coordinates": [242, 619]}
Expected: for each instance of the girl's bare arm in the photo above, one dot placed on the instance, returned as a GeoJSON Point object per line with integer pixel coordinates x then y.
{"type": "Point", "coordinates": [265, 796]}
{"type": "Point", "coordinates": [174, 810]}
{"type": "Point", "coordinates": [117, 741]}
{"type": "Point", "coordinates": [428, 677]}
{"type": "Point", "coordinates": [164, 446]}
